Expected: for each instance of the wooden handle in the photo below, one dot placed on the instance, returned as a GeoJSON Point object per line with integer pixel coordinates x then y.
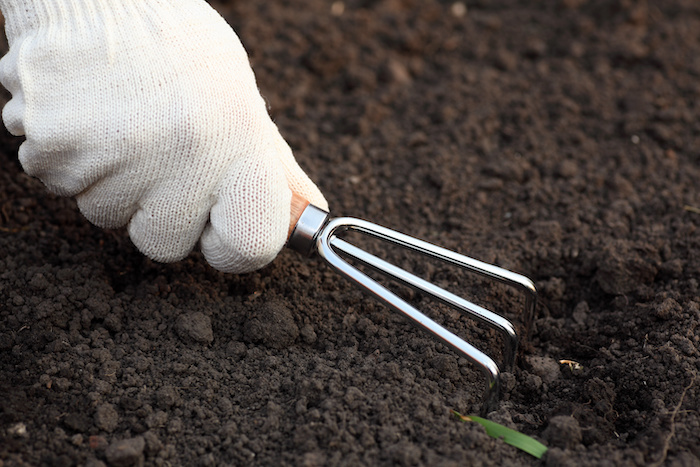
{"type": "Point", "coordinates": [297, 207]}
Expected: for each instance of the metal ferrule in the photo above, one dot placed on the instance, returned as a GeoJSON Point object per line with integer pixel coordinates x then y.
{"type": "Point", "coordinates": [306, 231]}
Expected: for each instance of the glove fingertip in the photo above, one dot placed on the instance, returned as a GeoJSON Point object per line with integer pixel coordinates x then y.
{"type": "Point", "coordinates": [156, 236]}
{"type": "Point", "coordinates": [241, 256]}
{"type": "Point", "coordinates": [13, 115]}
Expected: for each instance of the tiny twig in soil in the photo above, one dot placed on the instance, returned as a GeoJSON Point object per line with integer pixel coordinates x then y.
{"type": "Point", "coordinates": [672, 432]}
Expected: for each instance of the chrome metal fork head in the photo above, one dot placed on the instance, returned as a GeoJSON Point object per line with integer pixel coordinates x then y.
{"type": "Point", "coordinates": [316, 232]}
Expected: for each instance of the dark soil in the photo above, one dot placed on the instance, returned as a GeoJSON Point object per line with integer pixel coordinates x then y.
{"type": "Point", "coordinates": [559, 139]}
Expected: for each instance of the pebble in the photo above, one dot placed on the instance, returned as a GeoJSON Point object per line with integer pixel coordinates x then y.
{"type": "Point", "coordinates": [97, 443]}
{"type": "Point", "coordinates": [195, 327]}
{"type": "Point", "coordinates": [624, 265]}
{"type": "Point", "coordinates": [18, 430]}
{"type": "Point", "coordinates": [167, 396]}
{"type": "Point", "coordinates": [126, 452]}
{"type": "Point", "coordinates": [308, 334]}
{"type": "Point", "coordinates": [153, 444]}
{"type": "Point", "coordinates": [106, 418]}
{"type": "Point", "coordinates": [272, 324]}
{"type": "Point", "coordinates": [544, 367]}
{"type": "Point", "coordinates": [563, 432]}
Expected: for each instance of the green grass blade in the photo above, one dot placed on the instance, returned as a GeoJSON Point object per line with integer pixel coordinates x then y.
{"type": "Point", "coordinates": [509, 436]}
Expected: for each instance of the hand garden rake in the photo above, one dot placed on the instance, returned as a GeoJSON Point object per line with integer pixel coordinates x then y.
{"type": "Point", "coordinates": [316, 232]}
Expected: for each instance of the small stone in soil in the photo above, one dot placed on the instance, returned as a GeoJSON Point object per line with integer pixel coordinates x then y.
{"type": "Point", "coordinates": [563, 432]}
{"type": "Point", "coordinates": [272, 324]}
{"type": "Point", "coordinates": [195, 327]}
{"type": "Point", "coordinates": [545, 368]}
{"type": "Point", "coordinates": [126, 452]}
{"type": "Point", "coordinates": [106, 417]}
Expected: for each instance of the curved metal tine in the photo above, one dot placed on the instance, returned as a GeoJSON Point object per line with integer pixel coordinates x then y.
{"type": "Point", "coordinates": [483, 361]}
{"type": "Point", "coordinates": [465, 262]}
{"type": "Point", "coordinates": [483, 315]}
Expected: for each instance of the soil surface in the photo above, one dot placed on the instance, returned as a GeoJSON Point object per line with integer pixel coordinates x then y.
{"type": "Point", "coordinates": [558, 139]}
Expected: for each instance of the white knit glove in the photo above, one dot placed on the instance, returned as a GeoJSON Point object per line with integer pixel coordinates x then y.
{"type": "Point", "coordinates": [147, 111]}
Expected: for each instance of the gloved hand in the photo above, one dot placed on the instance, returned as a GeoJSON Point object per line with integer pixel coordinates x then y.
{"type": "Point", "coordinates": [147, 111]}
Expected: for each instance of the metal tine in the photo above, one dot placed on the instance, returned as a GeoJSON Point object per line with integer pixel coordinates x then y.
{"type": "Point", "coordinates": [482, 314]}
{"type": "Point", "coordinates": [448, 256]}
{"type": "Point", "coordinates": [369, 285]}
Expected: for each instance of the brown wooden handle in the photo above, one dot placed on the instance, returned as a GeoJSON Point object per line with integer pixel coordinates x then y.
{"type": "Point", "coordinates": [297, 207]}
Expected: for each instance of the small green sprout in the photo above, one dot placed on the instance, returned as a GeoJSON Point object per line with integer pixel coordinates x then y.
{"type": "Point", "coordinates": [509, 436]}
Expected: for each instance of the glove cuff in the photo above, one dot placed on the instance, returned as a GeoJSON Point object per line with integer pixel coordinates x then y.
{"type": "Point", "coordinates": [25, 16]}
{"type": "Point", "coordinates": [20, 15]}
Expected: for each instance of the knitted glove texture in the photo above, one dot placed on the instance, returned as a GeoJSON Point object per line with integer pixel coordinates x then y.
{"type": "Point", "coordinates": [147, 111]}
